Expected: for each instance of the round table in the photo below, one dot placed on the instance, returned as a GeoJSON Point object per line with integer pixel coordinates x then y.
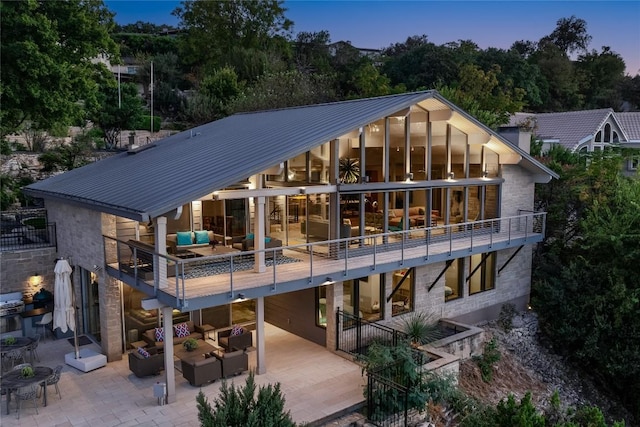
{"type": "Point", "coordinates": [13, 380]}
{"type": "Point", "coordinates": [20, 344]}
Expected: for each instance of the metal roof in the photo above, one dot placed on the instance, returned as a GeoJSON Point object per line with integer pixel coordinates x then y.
{"type": "Point", "coordinates": [191, 164]}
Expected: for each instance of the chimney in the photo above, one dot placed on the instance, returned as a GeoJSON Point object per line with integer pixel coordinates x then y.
{"type": "Point", "coordinates": [517, 136]}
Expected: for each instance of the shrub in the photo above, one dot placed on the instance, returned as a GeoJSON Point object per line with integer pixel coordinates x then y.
{"type": "Point", "coordinates": [241, 407]}
{"type": "Point", "coordinates": [490, 356]}
{"type": "Point", "coordinates": [421, 327]}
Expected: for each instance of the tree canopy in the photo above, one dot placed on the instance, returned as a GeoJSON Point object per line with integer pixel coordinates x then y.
{"type": "Point", "coordinates": [48, 48]}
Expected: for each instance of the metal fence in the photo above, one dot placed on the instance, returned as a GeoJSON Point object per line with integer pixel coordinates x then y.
{"type": "Point", "coordinates": [355, 335]}
{"type": "Point", "coordinates": [26, 229]}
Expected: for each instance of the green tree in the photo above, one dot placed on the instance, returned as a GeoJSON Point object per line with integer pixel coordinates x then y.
{"type": "Point", "coordinates": [585, 289]}
{"type": "Point", "coordinates": [600, 75]}
{"type": "Point", "coordinates": [47, 52]}
{"type": "Point", "coordinates": [216, 30]}
{"type": "Point", "coordinates": [242, 407]}
{"type": "Point", "coordinates": [113, 113]}
{"type": "Point", "coordinates": [570, 35]}
{"type": "Point", "coordinates": [285, 89]}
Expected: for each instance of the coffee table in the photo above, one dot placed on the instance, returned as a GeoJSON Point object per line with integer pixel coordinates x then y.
{"type": "Point", "coordinates": [210, 251]}
{"type": "Point", "coordinates": [203, 347]}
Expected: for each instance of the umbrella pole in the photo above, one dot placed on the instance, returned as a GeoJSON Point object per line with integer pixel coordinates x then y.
{"type": "Point", "coordinates": [75, 316]}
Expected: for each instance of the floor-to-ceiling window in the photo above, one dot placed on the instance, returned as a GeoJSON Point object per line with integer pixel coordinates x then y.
{"type": "Point", "coordinates": [90, 303]}
{"type": "Point", "coordinates": [363, 297]}
{"type": "Point", "coordinates": [402, 288]}
{"type": "Point", "coordinates": [482, 272]}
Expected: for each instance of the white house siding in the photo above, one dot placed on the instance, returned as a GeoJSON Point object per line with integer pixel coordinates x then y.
{"type": "Point", "coordinates": [79, 234]}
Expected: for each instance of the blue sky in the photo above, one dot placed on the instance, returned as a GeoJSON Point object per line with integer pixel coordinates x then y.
{"type": "Point", "coordinates": [378, 24]}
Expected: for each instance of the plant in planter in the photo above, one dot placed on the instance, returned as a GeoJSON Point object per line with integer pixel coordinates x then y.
{"type": "Point", "coordinates": [27, 372]}
{"type": "Point", "coordinates": [190, 344]}
{"type": "Point", "coordinates": [422, 328]}
{"type": "Point", "coordinates": [10, 340]}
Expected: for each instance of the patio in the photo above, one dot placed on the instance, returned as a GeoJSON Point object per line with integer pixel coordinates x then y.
{"type": "Point", "coordinates": [315, 382]}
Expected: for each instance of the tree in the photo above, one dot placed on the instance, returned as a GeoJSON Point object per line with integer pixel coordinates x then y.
{"type": "Point", "coordinates": [586, 290]}
{"type": "Point", "coordinates": [112, 115]}
{"type": "Point", "coordinates": [242, 407]}
{"type": "Point", "coordinates": [216, 29]}
{"type": "Point", "coordinates": [600, 75]}
{"type": "Point", "coordinates": [47, 53]}
{"type": "Point", "coordinates": [286, 89]}
{"type": "Point", "coordinates": [570, 35]}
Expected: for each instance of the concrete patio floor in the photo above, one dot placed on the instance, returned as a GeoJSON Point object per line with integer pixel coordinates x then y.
{"type": "Point", "coordinates": [315, 382]}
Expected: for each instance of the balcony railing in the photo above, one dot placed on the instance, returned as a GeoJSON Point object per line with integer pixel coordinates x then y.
{"type": "Point", "coordinates": [24, 237]}
{"type": "Point", "coordinates": [316, 262]}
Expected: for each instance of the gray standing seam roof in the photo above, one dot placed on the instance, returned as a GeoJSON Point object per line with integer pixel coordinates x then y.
{"type": "Point", "coordinates": [194, 163]}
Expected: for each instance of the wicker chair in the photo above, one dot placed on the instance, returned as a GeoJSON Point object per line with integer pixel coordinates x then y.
{"type": "Point", "coordinates": [53, 380]}
{"type": "Point", "coordinates": [26, 393]}
{"type": "Point", "coordinates": [12, 358]}
{"type": "Point", "coordinates": [33, 348]}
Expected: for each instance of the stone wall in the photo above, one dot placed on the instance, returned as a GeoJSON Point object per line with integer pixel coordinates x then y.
{"type": "Point", "coordinates": [18, 266]}
{"type": "Point", "coordinates": [80, 239]}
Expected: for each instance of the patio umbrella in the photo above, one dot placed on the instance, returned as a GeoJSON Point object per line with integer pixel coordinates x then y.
{"type": "Point", "coordinates": [63, 310]}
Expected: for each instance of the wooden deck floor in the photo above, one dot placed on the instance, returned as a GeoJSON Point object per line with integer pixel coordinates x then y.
{"type": "Point", "coordinates": [378, 253]}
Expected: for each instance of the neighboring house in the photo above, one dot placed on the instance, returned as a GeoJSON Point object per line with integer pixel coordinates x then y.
{"type": "Point", "coordinates": [377, 207]}
{"type": "Point", "coordinates": [585, 131]}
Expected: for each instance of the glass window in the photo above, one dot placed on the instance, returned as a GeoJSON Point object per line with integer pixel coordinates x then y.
{"type": "Point", "coordinates": [363, 296]}
{"type": "Point", "coordinates": [482, 272]}
{"type": "Point", "coordinates": [402, 291]}
{"type": "Point", "coordinates": [453, 280]}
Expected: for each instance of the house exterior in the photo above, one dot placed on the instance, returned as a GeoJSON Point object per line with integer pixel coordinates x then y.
{"type": "Point", "coordinates": [377, 207]}
{"type": "Point", "coordinates": [585, 130]}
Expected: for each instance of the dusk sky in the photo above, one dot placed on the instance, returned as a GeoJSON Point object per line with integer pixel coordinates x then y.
{"type": "Point", "coordinates": [378, 24]}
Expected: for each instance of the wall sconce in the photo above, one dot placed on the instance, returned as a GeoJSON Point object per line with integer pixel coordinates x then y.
{"type": "Point", "coordinates": [241, 297]}
{"type": "Point", "coordinates": [410, 176]}
{"type": "Point", "coordinates": [35, 280]}
{"type": "Point", "coordinates": [485, 173]}
{"type": "Point", "coordinates": [329, 281]}
{"type": "Point", "coordinates": [451, 175]}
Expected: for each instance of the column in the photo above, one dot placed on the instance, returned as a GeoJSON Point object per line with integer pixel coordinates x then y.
{"type": "Point", "coordinates": [169, 371]}
{"type": "Point", "coordinates": [259, 235]}
{"type": "Point", "coordinates": [160, 270]}
{"type": "Point", "coordinates": [261, 367]}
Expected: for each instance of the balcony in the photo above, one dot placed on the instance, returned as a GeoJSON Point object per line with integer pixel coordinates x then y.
{"type": "Point", "coordinates": [200, 282]}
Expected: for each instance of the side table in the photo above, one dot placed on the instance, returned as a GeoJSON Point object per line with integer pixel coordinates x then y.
{"type": "Point", "coordinates": [206, 330]}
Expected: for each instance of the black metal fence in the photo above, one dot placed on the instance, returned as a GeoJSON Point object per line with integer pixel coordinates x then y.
{"type": "Point", "coordinates": [26, 229]}
{"type": "Point", "coordinates": [355, 335]}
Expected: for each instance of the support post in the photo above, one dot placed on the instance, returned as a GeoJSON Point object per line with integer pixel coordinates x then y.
{"type": "Point", "coordinates": [169, 372]}
{"type": "Point", "coordinates": [261, 367]}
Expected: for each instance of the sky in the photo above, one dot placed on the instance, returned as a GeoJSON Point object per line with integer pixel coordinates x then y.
{"type": "Point", "coordinates": [378, 24]}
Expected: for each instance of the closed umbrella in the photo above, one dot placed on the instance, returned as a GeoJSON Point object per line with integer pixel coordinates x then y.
{"type": "Point", "coordinates": [63, 310]}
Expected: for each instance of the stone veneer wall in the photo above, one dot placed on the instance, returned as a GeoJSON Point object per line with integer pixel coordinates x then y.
{"type": "Point", "coordinates": [19, 266]}
{"type": "Point", "coordinates": [79, 233]}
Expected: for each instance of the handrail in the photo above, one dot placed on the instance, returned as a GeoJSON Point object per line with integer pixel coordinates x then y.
{"type": "Point", "coordinates": [340, 248]}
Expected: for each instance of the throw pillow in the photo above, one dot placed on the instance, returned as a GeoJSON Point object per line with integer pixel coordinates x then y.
{"type": "Point", "coordinates": [267, 239]}
{"type": "Point", "coordinates": [250, 236]}
{"type": "Point", "coordinates": [183, 238]}
{"type": "Point", "coordinates": [420, 211]}
{"type": "Point", "coordinates": [159, 334]}
{"type": "Point", "coordinates": [236, 330]}
{"type": "Point", "coordinates": [202, 236]}
{"type": "Point", "coordinates": [143, 352]}
{"type": "Point", "coordinates": [181, 330]}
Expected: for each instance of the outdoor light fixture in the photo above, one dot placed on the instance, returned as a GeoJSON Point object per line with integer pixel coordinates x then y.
{"type": "Point", "coordinates": [451, 175]}
{"type": "Point", "coordinates": [485, 173]}
{"type": "Point", "coordinates": [241, 296]}
{"type": "Point", "coordinates": [35, 280]}
{"type": "Point", "coordinates": [410, 176]}
{"type": "Point", "coordinates": [329, 281]}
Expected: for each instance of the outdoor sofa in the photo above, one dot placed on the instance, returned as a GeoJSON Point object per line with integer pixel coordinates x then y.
{"type": "Point", "coordinates": [150, 335]}
{"type": "Point", "coordinates": [142, 366]}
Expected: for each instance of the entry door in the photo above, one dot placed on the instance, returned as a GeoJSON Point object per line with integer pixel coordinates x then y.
{"type": "Point", "coordinates": [90, 304]}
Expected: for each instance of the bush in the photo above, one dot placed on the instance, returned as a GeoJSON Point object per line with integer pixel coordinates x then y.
{"type": "Point", "coordinates": [145, 124]}
{"type": "Point", "coordinates": [422, 328]}
{"type": "Point", "coordinates": [241, 407]}
{"type": "Point", "coordinates": [489, 357]}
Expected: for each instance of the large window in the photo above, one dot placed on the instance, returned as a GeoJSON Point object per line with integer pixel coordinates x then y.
{"type": "Point", "coordinates": [402, 291]}
{"type": "Point", "coordinates": [363, 297]}
{"type": "Point", "coordinates": [482, 274]}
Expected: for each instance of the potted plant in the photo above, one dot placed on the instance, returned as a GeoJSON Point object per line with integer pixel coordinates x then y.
{"type": "Point", "coordinates": [27, 372]}
{"type": "Point", "coordinates": [421, 328]}
{"type": "Point", "coordinates": [190, 344]}
{"type": "Point", "coordinates": [10, 340]}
